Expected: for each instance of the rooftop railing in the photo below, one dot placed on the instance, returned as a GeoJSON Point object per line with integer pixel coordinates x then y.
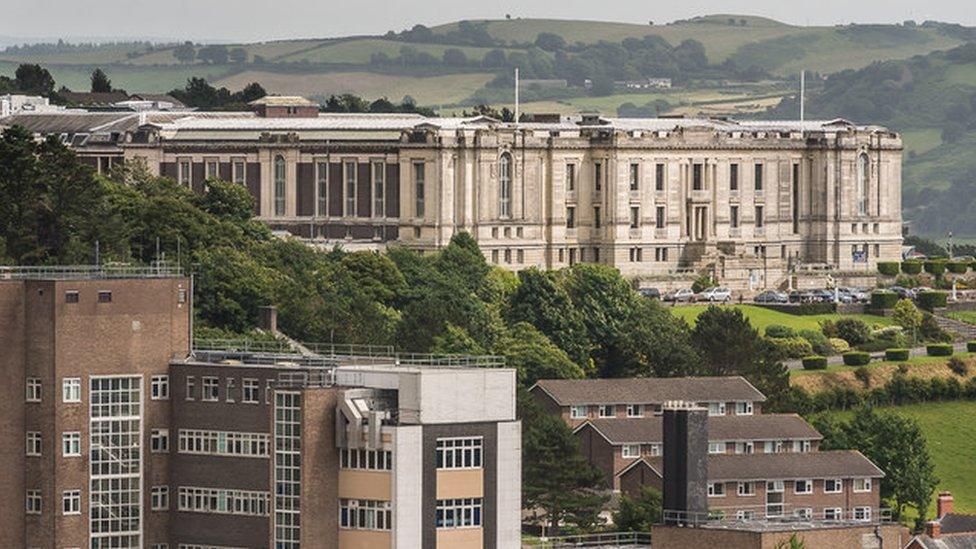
{"type": "Point", "coordinates": [774, 517]}
{"type": "Point", "coordinates": [615, 540]}
{"type": "Point", "coordinates": [84, 272]}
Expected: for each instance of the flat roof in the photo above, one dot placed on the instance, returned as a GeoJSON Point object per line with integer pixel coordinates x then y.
{"type": "Point", "coordinates": [649, 390]}
{"type": "Point", "coordinates": [618, 431]}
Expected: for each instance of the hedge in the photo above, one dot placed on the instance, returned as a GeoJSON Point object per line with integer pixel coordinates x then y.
{"type": "Point", "coordinates": [932, 300]}
{"type": "Point", "coordinates": [957, 267]}
{"type": "Point", "coordinates": [896, 355]}
{"type": "Point", "coordinates": [939, 349]}
{"type": "Point", "coordinates": [971, 346]}
{"type": "Point", "coordinates": [838, 345]}
{"type": "Point", "coordinates": [856, 358]}
{"type": "Point", "coordinates": [792, 347]}
{"type": "Point", "coordinates": [911, 267]}
{"type": "Point", "coordinates": [888, 268]}
{"type": "Point", "coordinates": [779, 330]}
{"type": "Point", "coordinates": [900, 389]}
{"type": "Point", "coordinates": [814, 363]}
{"type": "Point", "coordinates": [935, 267]}
{"type": "Point", "coordinates": [883, 299]}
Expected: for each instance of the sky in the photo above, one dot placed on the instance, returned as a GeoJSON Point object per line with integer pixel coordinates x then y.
{"type": "Point", "coordinates": [252, 20]}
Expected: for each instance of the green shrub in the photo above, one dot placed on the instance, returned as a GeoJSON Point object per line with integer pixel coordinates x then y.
{"type": "Point", "coordinates": [896, 354]}
{"type": "Point", "coordinates": [853, 330]}
{"type": "Point", "coordinates": [820, 343]}
{"type": "Point", "coordinates": [911, 267]}
{"type": "Point", "coordinates": [779, 330]}
{"type": "Point", "coordinates": [888, 268]}
{"type": "Point", "coordinates": [838, 345]}
{"type": "Point", "coordinates": [902, 369]}
{"type": "Point", "coordinates": [957, 267]}
{"type": "Point", "coordinates": [703, 283]}
{"type": "Point", "coordinates": [856, 358]}
{"type": "Point", "coordinates": [936, 267]}
{"type": "Point", "coordinates": [958, 366]}
{"type": "Point", "coordinates": [939, 349]}
{"type": "Point", "coordinates": [863, 374]}
{"type": "Point", "coordinates": [814, 362]}
{"type": "Point", "coordinates": [909, 281]}
{"type": "Point", "coordinates": [971, 346]}
{"type": "Point", "coordinates": [883, 299]}
{"type": "Point", "coordinates": [931, 331]}
{"type": "Point", "coordinates": [932, 300]}
{"type": "Point", "coordinates": [792, 347]}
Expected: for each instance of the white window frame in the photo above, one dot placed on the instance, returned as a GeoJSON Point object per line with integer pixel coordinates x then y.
{"type": "Point", "coordinates": [71, 502]}
{"type": "Point", "coordinates": [459, 453]}
{"type": "Point", "coordinates": [775, 487]}
{"type": "Point", "coordinates": [365, 514]}
{"type": "Point", "coordinates": [350, 182]}
{"type": "Point", "coordinates": [213, 384]}
{"type": "Point", "coordinates": [279, 185]}
{"type": "Point", "coordinates": [185, 179]}
{"type": "Point", "coordinates": [159, 441]}
{"type": "Point", "coordinates": [745, 447]}
{"type": "Point", "coordinates": [230, 385]}
{"type": "Point", "coordinates": [33, 443]}
{"type": "Point", "coordinates": [716, 489]}
{"type": "Point", "coordinates": [159, 387]}
{"type": "Point", "coordinates": [833, 513]}
{"type": "Point", "coordinates": [378, 182]}
{"type": "Point", "coordinates": [159, 498]}
{"type": "Point", "coordinates": [238, 170]}
{"type": "Point", "coordinates": [628, 451]}
{"type": "Point", "coordinates": [746, 489]}
{"type": "Point", "coordinates": [745, 514]}
{"type": "Point", "coordinates": [744, 408]}
{"type": "Point", "coordinates": [606, 410]}
{"type": "Point", "coordinates": [803, 513]}
{"type": "Point", "coordinates": [654, 449]}
{"type": "Point", "coordinates": [802, 446]}
{"type": "Point", "coordinates": [224, 443]}
{"type": "Point", "coordinates": [506, 176]}
{"type": "Point", "coordinates": [191, 387]}
{"type": "Point", "coordinates": [716, 409]}
{"type": "Point", "coordinates": [635, 410]}
{"type": "Point", "coordinates": [577, 412]}
{"type": "Point", "coordinates": [838, 486]}
{"type": "Point", "coordinates": [34, 503]}
{"type": "Point", "coordinates": [367, 460]}
{"type": "Point", "coordinates": [419, 189]}
{"type": "Point", "coordinates": [321, 187]}
{"type": "Point", "coordinates": [866, 485]}
{"type": "Point", "coordinates": [250, 390]}
{"type": "Point", "coordinates": [806, 483]}
{"type": "Point", "coordinates": [71, 389]}
{"type": "Point", "coordinates": [71, 444]}
{"type": "Point", "coordinates": [33, 389]}
{"type": "Point", "coordinates": [865, 513]}
{"type": "Point", "coordinates": [717, 447]}
{"type": "Point", "coordinates": [464, 513]}
{"type": "Point", "coordinates": [208, 163]}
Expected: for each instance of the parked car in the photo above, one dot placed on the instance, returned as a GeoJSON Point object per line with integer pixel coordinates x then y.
{"type": "Point", "coordinates": [772, 297]}
{"type": "Point", "coordinates": [823, 296]}
{"type": "Point", "coordinates": [903, 292]}
{"type": "Point", "coordinates": [684, 295]}
{"type": "Point", "coordinates": [716, 294]}
{"type": "Point", "coordinates": [859, 295]}
{"type": "Point", "coordinates": [651, 293]}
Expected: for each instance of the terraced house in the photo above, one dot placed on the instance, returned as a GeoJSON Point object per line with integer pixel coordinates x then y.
{"type": "Point", "coordinates": [116, 432]}
{"type": "Point", "coordinates": [748, 201]}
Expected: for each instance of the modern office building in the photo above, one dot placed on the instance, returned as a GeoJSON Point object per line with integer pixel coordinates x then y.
{"type": "Point", "coordinates": [118, 433]}
{"type": "Point", "coordinates": [745, 200]}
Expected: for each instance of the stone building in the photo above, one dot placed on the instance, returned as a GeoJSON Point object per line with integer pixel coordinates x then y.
{"type": "Point", "coordinates": [747, 201]}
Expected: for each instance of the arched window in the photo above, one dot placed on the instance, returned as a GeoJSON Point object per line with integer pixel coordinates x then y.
{"type": "Point", "coordinates": [863, 183]}
{"type": "Point", "coordinates": [279, 186]}
{"type": "Point", "coordinates": [505, 185]}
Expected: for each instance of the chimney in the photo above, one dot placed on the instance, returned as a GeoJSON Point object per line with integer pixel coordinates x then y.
{"type": "Point", "coordinates": [685, 463]}
{"type": "Point", "coordinates": [268, 318]}
{"type": "Point", "coordinates": [943, 504]}
{"type": "Point", "coordinates": [933, 529]}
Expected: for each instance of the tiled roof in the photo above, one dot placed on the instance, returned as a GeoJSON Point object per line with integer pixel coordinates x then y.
{"type": "Point", "coordinates": [649, 390]}
{"type": "Point", "coordinates": [93, 98]}
{"type": "Point", "coordinates": [727, 428]}
{"type": "Point", "coordinates": [955, 523]}
{"type": "Point", "coordinates": [957, 541]}
{"type": "Point", "coordinates": [789, 466]}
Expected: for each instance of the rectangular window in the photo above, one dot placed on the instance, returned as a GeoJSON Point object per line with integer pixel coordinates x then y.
{"type": "Point", "coordinates": [379, 188]}
{"type": "Point", "coordinates": [773, 446]}
{"type": "Point", "coordinates": [697, 180]}
{"type": "Point", "coordinates": [349, 169]}
{"type": "Point", "coordinates": [159, 498]}
{"type": "Point", "coordinates": [570, 177]}
{"type": "Point", "coordinates": [746, 489]}
{"type": "Point", "coordinates": [71, 389]}
{"type": "Point", "coordinates": [734, 216]}
{"type": "Point", "coordinates": [223, 443]}
{"type": "Point", "coordinates": [322, 192]}
{"type": "Point", "coordinates": [508, 256]}
{"type": "Point", "coordinates": [743, 408]}
{"type": "Point", "coordinates": [520, 256]}
{"type": "Point", "coordinates": [159, 387]}
{"type": "Point", "coordinates": [634, 217]}
{"type": "Point", "coordinates": [862, 485]}
{"type": "Point", "coordinates": [159, 441]}
{"type": "Point", "coordinates": [803, 513]}
{"type": "Point", "coordinates": [833, 486]}
{"type": "Point", "coordinates": [71, 444]}
{"type": "Point", "coordinates": [577, 412]}
{"type": "Point", "coordinates": [803, 487]}
{"type": "Point", "coordinates": [597, 176]}
{"type": "Point", "coordinates": [716, 408]}
{"type": "Point", "coordinates": [833, 513]}
{"type": "Point", "coordinates": [659, 177]}
{"type": "Point", "coordinates": [716, 447]}
{"type": "Point", "coordinates": [194, 499]}
{"type": "Point", "coordinates": [71, 296]}
{"type": "Point", "coordinates": [716, 489]}
{"type": "Point", "coordinates": [458, 513]}
{"type": "Point", "coordinates": [795, 201]}
{"type": "Point", "coordinates": [733, 177]}
{"type": "Point", "coordinates": [606, 410]}
{"type": "Point", "coordinates": [364, 514]}
{"type": "Point", "coordinates": [33, 443]}
{"type": "Point", "coordinates": [71, 502]}
{"type": "Point", "coordinates": [250, 388]}
{"type": "Point", "coordinates": [104, 296]}
{"type": "Point", "coordinates": [268, 390]}
{"type": "Point", "coordinates": [654, 450]}
{"type": "Point", "coordinates": [213, 169]}
{"type": "Point", "coordinates": [191, 388]}
{"type": "Point", "coordinates": [760, 222]}
{"type": "Point", "coordinates": [419, 183]}
{"type": "Point", "coordinates": [211, 389]}
{"type": "Point", "coordinates": [635, 410]}
{"type": "Point", "coordinates": [759, 177]}
{"type": "Point", "coordinates": [229, 390]}
{"type": "Point", "coordinates": [659, 218]}
{"type": "Point", "coordinates": [597, 222]}
{"type": "Point", "coordinates": [744, 447]}
{"type": "Point", "coordinates": [630, 451]}
{"type": "Point", "coordinates": [459, 453]}
{"type": "Point", "coordinates": [570, 217]}
{"type": "Point", "coordinates": [33, 504]}
{"type": "Point", "coordinates": [373, 460]}
{"type": "Point", "coordinates": [862, 514]}
{"type": "Point", "coordinates": [801, 446]}
{"type": "Point", "coordinates": [238, 169]}
{"type": "Point", "coordinates": [183, 176]}
{"type": "Point", "coordinates": [635, 177]}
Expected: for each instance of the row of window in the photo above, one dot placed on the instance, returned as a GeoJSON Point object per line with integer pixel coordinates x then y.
{"type": "Point", "coordinates": [365, 514]}
{"type": "Point", "coordinates": [769, 446]}
{"type": "Point", "coordinates": [71, 501]}
{"type": "Point", "coordinates": [459, 453]}
{"type": "Point", "coordinates": [224, 443]}
{"type": "Point", "coordinates": [195, 499]}
{"type": "Point", "coordinates": [373, 460]}
{"type": "Point", "coordinates": [800, 487]}
{"type": "Point", "coordinates": [742, 408]}
{"type": "Point", "coordinates": [249, 392]}
{"type": "Point", "coordinates": [829, 513]}
{"type": "Point", "coordinates": [634, 175]}
{"type": "Point", "coordinates": [458, 513]}
{"type": "Point", "coordinates": [71, 389]}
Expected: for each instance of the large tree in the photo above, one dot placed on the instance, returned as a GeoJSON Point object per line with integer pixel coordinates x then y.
{"type": "Point", "coordinates": [543, 303]}
{"type": "Point", "coordinates": [100, 82]}
{"type": "Point", "coordinates": [638, 513]}
{"type": "Point", "coordinates": [652, 342]}
{"type": "Point", "coordinates": [33, 79]}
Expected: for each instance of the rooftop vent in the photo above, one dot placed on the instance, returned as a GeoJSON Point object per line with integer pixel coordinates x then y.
{"type": "Point", "coordinates": [285, 106]}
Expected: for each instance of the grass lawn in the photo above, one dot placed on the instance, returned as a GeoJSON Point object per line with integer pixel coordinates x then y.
{"type": "Point", "coordinates": [761, 317]}
{"type": "Point", "coordinates": [950, 433]}
{"type": "Point", "coordinates": [969, 317]}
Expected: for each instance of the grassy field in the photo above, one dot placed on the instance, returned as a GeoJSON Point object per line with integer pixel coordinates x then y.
{"type": "Point", "coordinates": [359, 51]}
{"type": "Point", "coordinates": [950, 434]}
{"type": "Point", "coordinates": [431, 90]}
{"type": "Point", "coordinates": [969, 317]}
{"type": "Point", "coordinates": [924, 367]}
{"type": "Point", "coordinates": [761, 317]}
{"type": "Point", "coordinates": [922, 140]}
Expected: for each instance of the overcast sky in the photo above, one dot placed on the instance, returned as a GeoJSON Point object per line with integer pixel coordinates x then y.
{"type": "Point", "coordinates": [250, 20]}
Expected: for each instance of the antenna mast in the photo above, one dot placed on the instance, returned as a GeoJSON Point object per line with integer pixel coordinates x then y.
{"type": "Point", "coordinates": [802, 92]}
{"type": "Point", "coordinates": [516, 95]}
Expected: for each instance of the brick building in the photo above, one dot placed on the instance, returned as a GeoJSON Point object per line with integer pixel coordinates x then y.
{"type": "Point", "coordinates": [117, 433]}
